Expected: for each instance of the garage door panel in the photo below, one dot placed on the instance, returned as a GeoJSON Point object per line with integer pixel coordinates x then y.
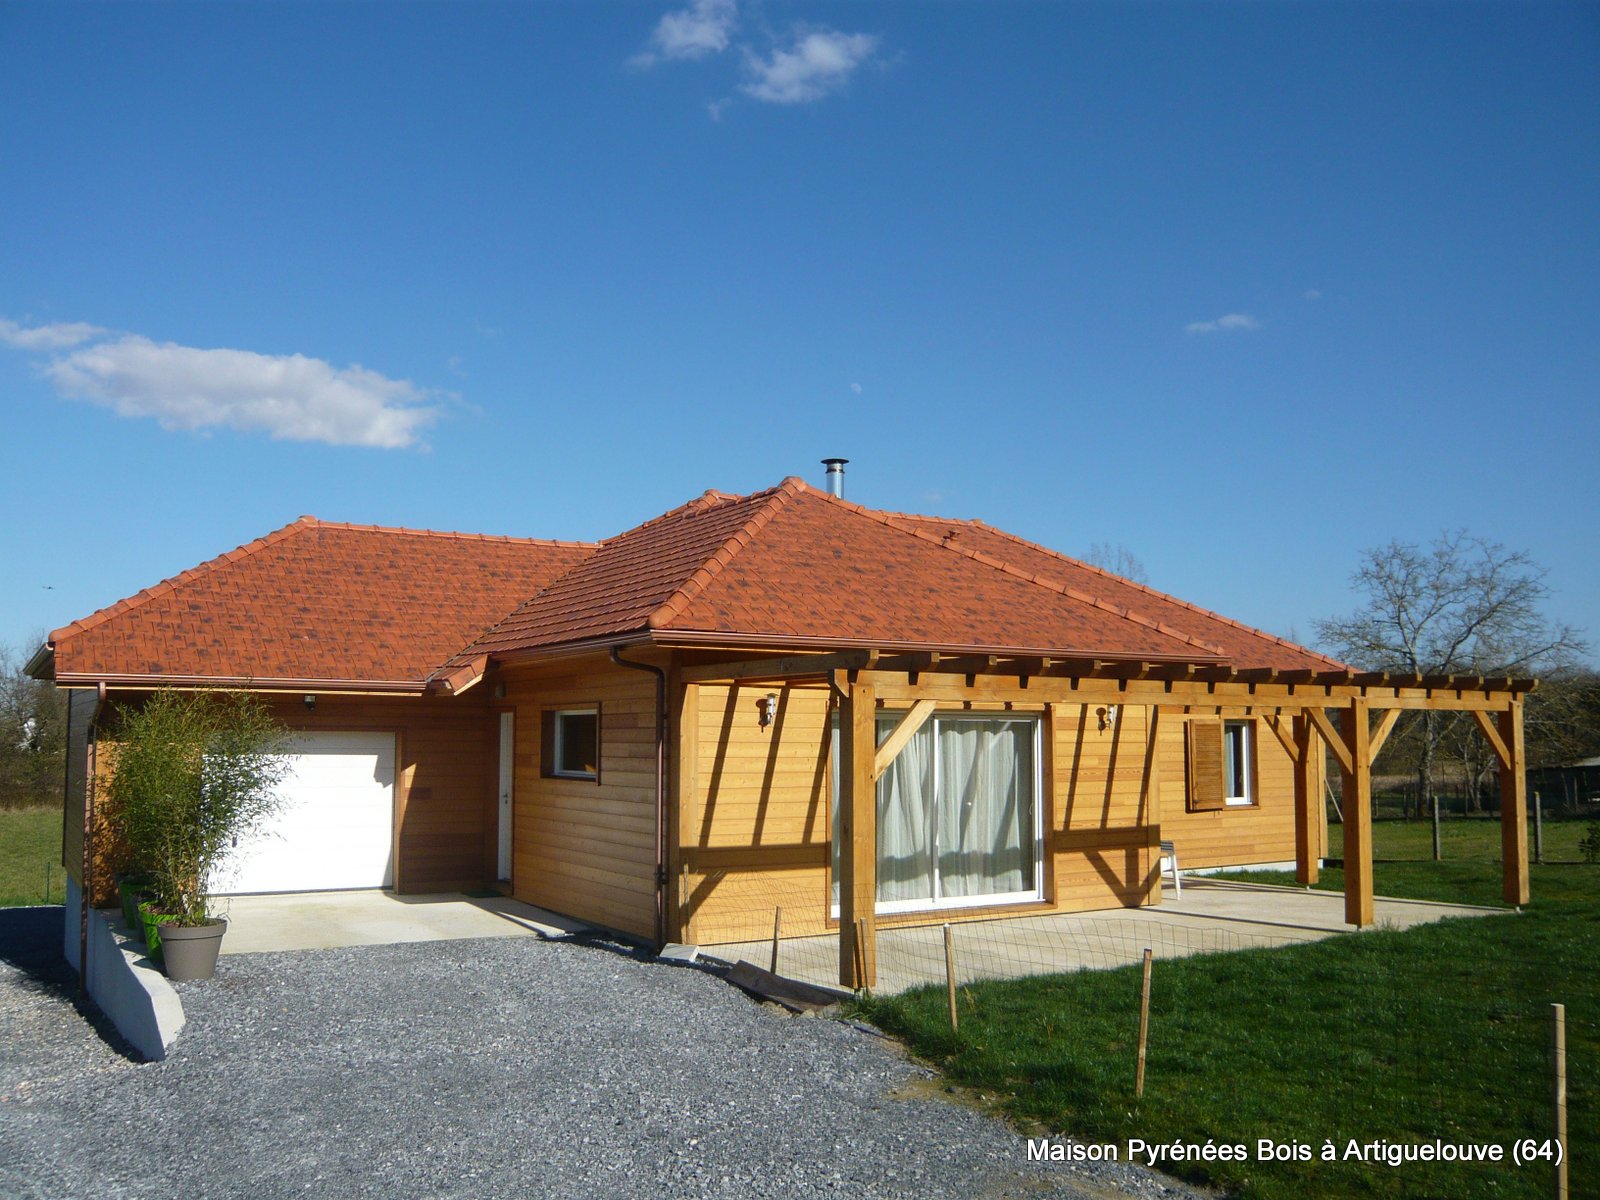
{"type": "Point", "coordinates": [334, 828]}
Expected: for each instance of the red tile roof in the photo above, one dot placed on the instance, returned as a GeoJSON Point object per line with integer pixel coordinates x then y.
{"type": "Point", "coordinates": [365, 606]}
{"type": "Point", "coordinates": [1245, 647]}
{"type": "Point", "coordinates": [350, 604]}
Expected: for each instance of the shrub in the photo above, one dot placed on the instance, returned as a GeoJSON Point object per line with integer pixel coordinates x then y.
{"type": "Point", "coordinates": [192, 772]}
{"type": "Point", "coordinates": [1589, 844]}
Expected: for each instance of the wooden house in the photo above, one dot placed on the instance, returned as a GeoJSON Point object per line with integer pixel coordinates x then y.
{"type": "Point", "coordinates": [775, 699]}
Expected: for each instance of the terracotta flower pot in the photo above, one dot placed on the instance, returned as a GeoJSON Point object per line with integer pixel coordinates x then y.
{"type": "Point", "coordinates": [191, 950]}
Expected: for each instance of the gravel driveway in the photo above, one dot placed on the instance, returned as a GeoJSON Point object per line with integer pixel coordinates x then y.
{"type": "Point", "coordinates": [492, 1068]}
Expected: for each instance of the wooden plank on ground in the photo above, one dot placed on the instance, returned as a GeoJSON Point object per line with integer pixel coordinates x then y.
{"type": "Point", "coordinates": [791, 993]}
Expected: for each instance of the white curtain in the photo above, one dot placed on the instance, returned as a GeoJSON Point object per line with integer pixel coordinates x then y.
{"type": "Point", "coordinates": [985, 807]}
{"type": "Point", "coordinates": [982, 817]}
{"type": "Point", "coordinates": [905, 819]}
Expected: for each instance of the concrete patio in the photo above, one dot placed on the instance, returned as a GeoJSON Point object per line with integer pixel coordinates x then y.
{"type": "Point", "coordinates": [325, 920]}
{"type": "Point", "coordinates": [1212, 915]}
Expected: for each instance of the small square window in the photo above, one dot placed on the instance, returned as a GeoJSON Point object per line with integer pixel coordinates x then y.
{"type": "Point", "coordinates": [572, 745]}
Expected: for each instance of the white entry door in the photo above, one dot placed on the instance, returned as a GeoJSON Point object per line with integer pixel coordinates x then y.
{"type": "Point", "coordinates": [335, 828]}
{"type": "Point", "coordinates": [508, 760]}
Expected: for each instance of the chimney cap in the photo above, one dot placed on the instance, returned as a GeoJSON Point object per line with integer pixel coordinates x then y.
{"type": "Point", "coordinates": [835, 475]}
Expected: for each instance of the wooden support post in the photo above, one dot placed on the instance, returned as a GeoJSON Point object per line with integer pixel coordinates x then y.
{"type": "Point", "coordinates": [1354, 732]}
{"type": "Point", "coordinates": [950, 978]}
{"type": "Point", "coordinates": [777, 926]}
{"type": "Point", "coordinates": [1558, 1093]}
{"type": "Point", "coordinates": [1144, 1026]}
{"type": "Point", "coordinates": [858, 838]}
{"type": "Point", "coordinates": [1513, 808]}
{"type": "Point", "coordinates": [1307, 796]}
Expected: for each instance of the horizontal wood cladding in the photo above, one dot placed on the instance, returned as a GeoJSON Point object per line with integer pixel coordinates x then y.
{"type": "Point", "coordinates": [585, 847]}
{"type": "Point", "coordinates": [1234, 835]}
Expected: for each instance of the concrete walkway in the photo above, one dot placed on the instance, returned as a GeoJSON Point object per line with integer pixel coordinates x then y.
{"type": "Point", "coordinates": [325, 920]}
{"type": "Point", "coordinates": [1212, 915]}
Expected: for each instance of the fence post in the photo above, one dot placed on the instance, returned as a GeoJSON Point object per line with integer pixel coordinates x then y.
{"type": "Point", "coordinates": [1558, 1092]}
{"type": "Point", "coordinates": [47, 881]}
{"type": "Point", "coordinates": [777, 924]}
{"type": "Point", "coordinates": [950, 978]}
{"type": "Point", "coordinates": [1538, 829]}
{"type": "Point", "coordinates": [1144, 1026]}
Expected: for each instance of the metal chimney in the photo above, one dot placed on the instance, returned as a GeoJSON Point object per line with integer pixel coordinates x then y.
{"type": "Point", "coordinates": [835, 475]}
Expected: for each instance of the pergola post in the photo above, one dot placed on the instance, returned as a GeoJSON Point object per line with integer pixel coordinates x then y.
{"type": "Point", "coordinates": [1357, 775]}
{"type": "Point", "coordinates": [1307, 794]}
{"type": "Point", "coordinates": [1513, 807]}
{"type": "Point", "coordinates": [858, 838]}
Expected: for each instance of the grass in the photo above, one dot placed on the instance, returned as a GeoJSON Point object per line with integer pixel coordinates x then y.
{"type": "Point", "coordinates": [30, 840]}
{"type": "Point", "coordinates": [1405, 1036]}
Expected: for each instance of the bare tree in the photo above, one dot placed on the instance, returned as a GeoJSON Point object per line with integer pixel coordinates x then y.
{"type": "Point", "coordinates": [1461, 605]}
{"type": "Point", "coordinates": [1117, 559]}
{"type": "Point", "coordinates": [32, 735]}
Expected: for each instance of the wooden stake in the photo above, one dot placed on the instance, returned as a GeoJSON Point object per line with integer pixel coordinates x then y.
{"type": "Point", "coordinates": [861, 954]}
{"type": "Point", "coordinates": [950, 978]}
{"type": "Point", "coordinates": [1558, 1090]}
{"type": "Point", "coordinates": [777, 924]}
{"type": "Point", "coordinates": [1538, 830]}
{"type": "Point", "coordinates": [1144, 1026]}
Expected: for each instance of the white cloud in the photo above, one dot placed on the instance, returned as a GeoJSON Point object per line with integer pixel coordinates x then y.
{"type": "Point", "coordinates": [699, 31]}
{"type": "Point", "coordinates": [819, 63]}
{"type": "Point", "coordinates": [1229, 321]}
{"type": "Point", "coordinates": [47, 337]}
{"type": "Point", "coordinates": [287, 396]}
{"type": "Point", "coordinates": [1313, 294]}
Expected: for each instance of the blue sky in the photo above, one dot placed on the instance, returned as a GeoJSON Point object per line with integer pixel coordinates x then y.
{"type": "Point", "coordinates": [1244, 288]}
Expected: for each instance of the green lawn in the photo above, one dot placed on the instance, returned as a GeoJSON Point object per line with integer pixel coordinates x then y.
{"type": "Point", "coordinates": [1438, 1032]}
{"type": "Point", "coordinates": [30, 838]}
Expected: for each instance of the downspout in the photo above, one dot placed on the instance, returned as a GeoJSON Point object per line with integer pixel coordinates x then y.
{"type": "Point", "coordinates": [86, 892]}
{"type": "Point", "coordinates": [661, 789]}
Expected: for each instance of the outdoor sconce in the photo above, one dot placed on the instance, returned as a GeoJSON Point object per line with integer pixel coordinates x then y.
{"type": "Point", "coordinates": [311, 704]}
{"type": "Point", "coordinates": [1107, 715]}
{"type": "Point", "coordinates": [767, 706]}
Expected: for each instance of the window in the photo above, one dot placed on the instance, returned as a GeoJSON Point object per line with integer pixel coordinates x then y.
{"type": "Point", "coordinates": [1236, 756]}
{"type": "Point", "coordinates": [1221, 772]}
{"type": "Point", "coordinates": [572, 743]}
{"type": "Point", "coordinates": [958, 814]}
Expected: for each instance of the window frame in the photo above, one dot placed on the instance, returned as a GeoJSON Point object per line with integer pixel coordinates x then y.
{"type": "Point", "coordinates": [553, 767]}
{"type": "Point", "coordinates": [1246, 771]}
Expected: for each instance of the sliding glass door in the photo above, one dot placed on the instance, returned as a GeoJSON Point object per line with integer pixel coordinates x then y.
{"type": "Point", "coordinates": [958, 814]}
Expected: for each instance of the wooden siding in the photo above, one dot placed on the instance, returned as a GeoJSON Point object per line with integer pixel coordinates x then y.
{"type": "Point", "coordinates": [754, 825]}
{"type": "Point", "coordinates": [585, 848]}
{"type": "Point", "coordinates": [1237, 834]}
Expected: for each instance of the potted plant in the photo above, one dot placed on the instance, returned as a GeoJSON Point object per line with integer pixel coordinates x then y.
{"type": "Point", "coordinates": [193, 772]}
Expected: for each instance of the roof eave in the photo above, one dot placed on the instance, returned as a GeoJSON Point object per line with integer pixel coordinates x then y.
{"type": "Point", "coordinates": [43, 663]}
{"type": "Point", "coordinates": [140, 682]}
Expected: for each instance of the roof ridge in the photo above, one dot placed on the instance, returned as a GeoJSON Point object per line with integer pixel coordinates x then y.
{"type": "Point", "coordinates": [1168, 596]}
{"type": "Point", "coordinates": [102, 615]}
{"type": "Point", "coordinates": [702, 576]}
{"type": "Point", "coordinates": [451, 533]}
{"type": "Point", "coordinates": [900, 522]}
{"type": "Point", "coordinates": [705, 501]}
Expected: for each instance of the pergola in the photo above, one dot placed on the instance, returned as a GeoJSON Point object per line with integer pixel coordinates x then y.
{"type": "Point", "coordinates": [1351, 713]}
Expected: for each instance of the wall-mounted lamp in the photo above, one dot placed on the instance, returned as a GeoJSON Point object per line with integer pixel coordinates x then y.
{"type": "Point", "coordinates": [1107, 715]}
{"type": "Point", "coordinates": [311, 704]}
{"type": "Point", "coordinates": [767, 706]}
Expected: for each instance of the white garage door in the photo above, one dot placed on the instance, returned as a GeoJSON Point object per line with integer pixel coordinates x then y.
{"type": "Point", "coordinates": [333, 830]}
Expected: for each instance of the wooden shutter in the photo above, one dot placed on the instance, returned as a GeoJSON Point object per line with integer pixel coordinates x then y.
{"type": "Point", "coordinates": [1206, 790]}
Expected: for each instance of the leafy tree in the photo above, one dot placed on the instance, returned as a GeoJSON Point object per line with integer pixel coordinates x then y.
{"type": "Point", "coordinates": [33, 732]}
{"type": "Point", "coordinates": [1461, 605]}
